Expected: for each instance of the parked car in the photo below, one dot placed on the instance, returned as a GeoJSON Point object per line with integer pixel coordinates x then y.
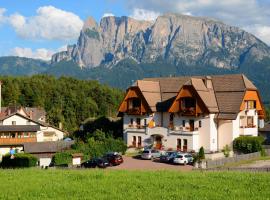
{"type": "Point", "coordinates": [114, 158]}
{"type": "Point", "coordinates": [150, 154]}
{"type": "Point", "coordinates": [167, 157]}
{"type": "Point", "coordinates": [184, 158]}
{"type": "Point", "coordinates": [96, 162]}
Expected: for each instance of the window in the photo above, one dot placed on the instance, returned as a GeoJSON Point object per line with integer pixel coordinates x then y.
{"type": "Point", "coordinates": [185, 145]}
{"type": "Point", "coordinates": [32, 134]}
{"type": "Point", "coordinates": [134, 103]}
{"type": "Point", "coordinates": [13, 122]}
{"type": "Point", "coordinates": [200, 123]}
{"type": "Point", "coordinates": [145, 122]}
{"type": "Point", "coordinates": [171, 117]}
{"type": "Point", "coordinates": [188, 103]}
{"type": "Point", "coordinates": [131, 121]}
{"type": "Point", "coordinates": [183, 123]}
{"type": "Point", "coordinates": [250, 122]}
{"type": "Point", "coordinates": [250, 105]}
{"type": "Point", "coordinates": [139, 141]}
{"type": "Point", "coordinates": [134, 141]}
{"type": "Point", "coordinates": [138, 121]}
{"type": "Point", "coordinates": [179, 145]}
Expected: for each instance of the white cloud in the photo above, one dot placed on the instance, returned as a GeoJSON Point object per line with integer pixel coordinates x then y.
{"type": "Point", "coordinates": [2, 17]}
{"type": "Point", "coordinates": [261, 31]}
{"type": "Point", "coordinates": [50, 23]}
{"type": "Point", "coordinates": [42, 53]}
{"type": "Point", "coordinates": [107, 15]}
{"type": "Point", "coordinates": [142, 14]}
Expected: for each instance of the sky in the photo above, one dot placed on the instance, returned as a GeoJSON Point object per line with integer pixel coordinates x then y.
{"type": "Point", "coordinates": [39, 28]}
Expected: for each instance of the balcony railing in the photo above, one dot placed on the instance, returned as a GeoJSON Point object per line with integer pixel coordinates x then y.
{"type": "Point", "coordinates": [134, 111]}
{"type": "Point", "coordinates": [10, 141]}
{"type": "Point", "coordinates": [189, 111]}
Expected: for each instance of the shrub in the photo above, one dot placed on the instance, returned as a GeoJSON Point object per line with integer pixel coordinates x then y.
{"type": "Point", "coordinates": [201, 155]}
{"type": "Point", "coordinates": [19, 160]}
{"type": "Point", "coordinates": [62, 158]}
{"type": "Point", "coordinates": [248, 144]}
{"type": "Point", "coordinates": [99, 144]}
{"type": "Point", "coordinates": [226, 151]}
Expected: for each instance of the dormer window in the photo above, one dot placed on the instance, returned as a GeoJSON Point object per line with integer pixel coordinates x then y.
{"type": "Point", "coordinates": [188, 105]}
{"type": "Point", "coordinates": [134, 106]}
{"type": "Point", "coordinates": [250, 105]}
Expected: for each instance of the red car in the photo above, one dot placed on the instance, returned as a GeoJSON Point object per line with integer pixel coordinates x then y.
{"type": "Point", "coordinates": [114, 158]}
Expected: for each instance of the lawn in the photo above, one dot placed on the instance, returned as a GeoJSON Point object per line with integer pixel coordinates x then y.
{"type": "Point", "coordinates": [110, 184]}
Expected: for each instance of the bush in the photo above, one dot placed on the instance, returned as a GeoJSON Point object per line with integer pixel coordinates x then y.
{"type": "Point", "coordinates": [201, 155]}
{"type": "Point", "coordinates": [62, 158]}
{"type": "Point", "coordinates": [99, 144]}
{"type": "Point", "coordinates": [248, 144]}
{"type": "Point", "coordinates": [19, 160]}
{"type": "Point", "coordinates": [226, 151]}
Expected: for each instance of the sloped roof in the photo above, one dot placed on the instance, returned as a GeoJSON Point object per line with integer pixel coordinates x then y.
{"type": "Point", "coordinates": [19, 128]}
{"type": "Point", "coordinates": [224, 97]}
{"type": "Point", "coordinates": [47, 147]}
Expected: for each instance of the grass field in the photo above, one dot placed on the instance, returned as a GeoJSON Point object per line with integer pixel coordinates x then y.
{"type": "Point", "coordinates": [110, 184]}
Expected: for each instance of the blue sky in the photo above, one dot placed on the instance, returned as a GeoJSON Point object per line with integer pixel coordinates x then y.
{"type": "Point", "coordinates": [38, 28]}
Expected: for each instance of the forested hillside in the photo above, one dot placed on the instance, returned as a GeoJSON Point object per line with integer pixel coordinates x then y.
{"type": "Point", "coordinates": [65, 99]}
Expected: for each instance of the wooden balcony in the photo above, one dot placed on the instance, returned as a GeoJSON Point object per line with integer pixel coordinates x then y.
{"type": "Point", "coordinates": [11, 141]}
{"type": "Point", "coordinates": [134, 111]}
{"type": "Point", "coordinates": [191, 111]}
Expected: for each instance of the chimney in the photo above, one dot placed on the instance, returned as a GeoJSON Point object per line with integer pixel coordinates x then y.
{"type": "Point", "coordinates": [208, 82]}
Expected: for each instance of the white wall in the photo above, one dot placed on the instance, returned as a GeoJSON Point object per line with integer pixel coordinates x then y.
{"type": "Point", "coordinates": [19, 121]}
{"type": "Point", "coordinates": [225, 133]}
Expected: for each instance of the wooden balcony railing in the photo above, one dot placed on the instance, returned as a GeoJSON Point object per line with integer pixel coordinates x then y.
{"type": "Point", "coordinates": [10, 141]}
{"type": "Point", "coordinates": [134, 111]}
{"type": "Point", "coordinates": [189, 111]}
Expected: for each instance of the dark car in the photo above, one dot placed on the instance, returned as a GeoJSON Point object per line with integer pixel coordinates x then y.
{"type": "Point", "coordinates": [96, 162]}
{"type": "Point", "coordinates": [114, 158]}
{"type": "Point", "coordinates": [168, 157]}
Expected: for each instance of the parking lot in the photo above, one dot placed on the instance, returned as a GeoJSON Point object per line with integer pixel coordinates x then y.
{"type": "Point", "coordinates": [131, 163]}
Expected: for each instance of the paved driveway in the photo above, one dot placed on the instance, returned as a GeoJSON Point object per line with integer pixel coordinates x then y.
{"type": "Point", "coordinates": [131, 163]}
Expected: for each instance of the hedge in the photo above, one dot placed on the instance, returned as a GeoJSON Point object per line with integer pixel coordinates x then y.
{"type": "Point", "coordinates": [248, 144]}
{"type": "Point", "coordinates": [20, 160]}
{"type": "Point", "coordinates": [62, 158]}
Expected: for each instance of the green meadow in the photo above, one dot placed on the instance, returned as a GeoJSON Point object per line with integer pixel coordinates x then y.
{"type": "Point", "coordinates": [114, 184]}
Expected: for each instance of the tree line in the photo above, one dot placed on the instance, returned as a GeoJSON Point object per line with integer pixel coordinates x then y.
{"type": "Point", "coordinates": [65, 99]}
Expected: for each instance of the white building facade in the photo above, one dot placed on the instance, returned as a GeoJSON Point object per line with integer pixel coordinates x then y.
{"type": "Point", "coordinates": [187, 113]}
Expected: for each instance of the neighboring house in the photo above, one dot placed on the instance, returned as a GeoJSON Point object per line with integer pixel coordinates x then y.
{"type": "Point", "coordinates": [186, 113]}
{"type": "Point", "coordinates": [20, 125]}
{"type": "Point", "coordinates": [44, 151]}
{"type": "Point", "coordinates": [265, 132]}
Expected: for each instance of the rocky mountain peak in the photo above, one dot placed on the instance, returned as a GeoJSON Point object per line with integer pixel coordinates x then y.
{"type": "Point", "coordinates": [171, 38]}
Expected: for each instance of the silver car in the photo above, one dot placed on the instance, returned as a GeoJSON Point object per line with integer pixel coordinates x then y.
{"type": "Point", "coordinates": [150, 154]}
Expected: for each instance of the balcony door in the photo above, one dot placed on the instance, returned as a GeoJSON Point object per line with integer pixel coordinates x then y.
{"type": "Point", "coordinates": [191, 125]}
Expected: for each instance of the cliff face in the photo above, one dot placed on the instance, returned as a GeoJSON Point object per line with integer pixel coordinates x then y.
{"type": "Point", "coordinates": [172, 38]}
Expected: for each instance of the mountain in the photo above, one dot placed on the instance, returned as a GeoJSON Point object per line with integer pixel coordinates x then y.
{"type": "Point", "coordinates": [120, 50]}
{"type": "Point", "coordinates": [12, 65]}
{"type": "Point", "coordinates": [171, 38]}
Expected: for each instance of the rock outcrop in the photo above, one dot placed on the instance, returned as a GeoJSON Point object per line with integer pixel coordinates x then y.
{"type": "Point", "coordinates": [172, 38]}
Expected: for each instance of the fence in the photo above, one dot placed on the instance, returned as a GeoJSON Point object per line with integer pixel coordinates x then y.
{"type": "Point", "coordinates": [235, 158]}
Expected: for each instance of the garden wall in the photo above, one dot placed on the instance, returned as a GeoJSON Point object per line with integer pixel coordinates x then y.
{"type": "Point", "coordinates": [235, 158]}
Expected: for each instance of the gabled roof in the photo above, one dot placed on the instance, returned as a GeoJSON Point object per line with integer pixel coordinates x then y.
{"type": "Point", "coordinates": [19, 128]}
{"type": "Point", "coordinates": [223, 97]}
{"type": "Point", "coordinates": [46, 147]}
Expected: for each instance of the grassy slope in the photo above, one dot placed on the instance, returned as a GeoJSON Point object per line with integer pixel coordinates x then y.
{"type": "Point", "coordinates": [99, 184]}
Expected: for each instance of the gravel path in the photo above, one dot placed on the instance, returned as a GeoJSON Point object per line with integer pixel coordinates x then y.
{"type": "Point", "coordinates": [131, 163]}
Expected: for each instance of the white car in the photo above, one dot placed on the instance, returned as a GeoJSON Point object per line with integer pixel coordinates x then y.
{"type": "Point", "coordinates": [184, 159]}
{"type": "Point", "coordinates": [150, 154]}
